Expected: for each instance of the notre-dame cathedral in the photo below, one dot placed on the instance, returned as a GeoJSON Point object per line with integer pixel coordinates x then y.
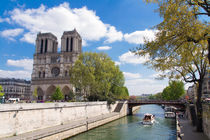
{"type": "Point", "coordinates": [51, 68]}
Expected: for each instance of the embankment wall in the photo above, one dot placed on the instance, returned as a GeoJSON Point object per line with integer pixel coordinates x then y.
{"type": "Point", "coordinates": [206, 119]}
{"type": "Point", "coordinates": [16, 119]}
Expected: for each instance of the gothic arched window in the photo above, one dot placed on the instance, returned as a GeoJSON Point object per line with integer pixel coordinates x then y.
{"type": "Point", "coordinates": [45, 46]}
{"type": "Point", "coordinates": [67, 44]}
{"type": "Point", "coordinates": [41, 49]}
{"type": "Point", "coordinates": [72, 43]}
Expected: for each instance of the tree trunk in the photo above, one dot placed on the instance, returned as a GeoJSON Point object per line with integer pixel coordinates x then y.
{"type": "Point", "coordinates": [199, 121]}
{"type": "Point", "coordinates": [209, 49]}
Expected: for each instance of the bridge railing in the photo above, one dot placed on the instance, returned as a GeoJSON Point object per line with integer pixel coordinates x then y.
{"type": "Point", "coordinates": [155, 101]}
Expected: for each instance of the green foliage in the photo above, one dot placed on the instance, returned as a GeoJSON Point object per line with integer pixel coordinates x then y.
{"type": "Point", "coordinates": [200, 7]}
{"type": "Point", "coordinates": [35, 94]}
{"type": "Point", "coordinates": [57, 95]}
{"type": "Point", "coordinates": [71, 96]}
{"type": "Point", "coordinates": [174, 91]}
{"type": "Point", "coordinates": [97, 77]}
{"type": "Point", "coordinates": [181, 43]}
{"type": "Point", "coordinates": [1, 93]}
{"type": "Point", "coordinates": [157, 96]}
{"type": "Point", "coordinates": [151, 97]}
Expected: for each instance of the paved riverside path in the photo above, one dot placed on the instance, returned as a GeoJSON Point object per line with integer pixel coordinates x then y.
{"type": "Point", "coordinates": [190, 132]}
{"type": "Point", "coordinates": [38, 134]}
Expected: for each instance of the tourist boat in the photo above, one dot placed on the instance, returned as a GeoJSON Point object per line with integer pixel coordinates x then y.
{"type": "Point", "coordinates": [170, 114]}
{"type": "Point", "coordinates": [163, 106]}
{"type": "Point", "coordinates": [148, 119]}
{"type": "Point", "coordinates": [170, 109]}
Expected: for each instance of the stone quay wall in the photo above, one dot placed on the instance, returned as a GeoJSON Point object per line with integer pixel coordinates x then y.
{"type": "Point", "coordinates": [191, 114]}
{"type": "Point", "coordinates": [206, 119]}
{"type": "Point", "coordinates": [16, 119]}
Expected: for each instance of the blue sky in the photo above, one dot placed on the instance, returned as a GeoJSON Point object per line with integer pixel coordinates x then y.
{"type": "Point", "coordinates": [110, 26]}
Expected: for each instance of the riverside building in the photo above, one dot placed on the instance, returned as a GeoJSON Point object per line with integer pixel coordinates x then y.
{"type": "Point", "coordinates": [206, 86]}
{"type": "Point", "coordinates": [16, 88]}
{"type": "Point", "coordinates": [51, 68]}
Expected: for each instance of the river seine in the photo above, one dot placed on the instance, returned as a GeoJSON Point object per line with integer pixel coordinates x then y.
{"type": "Point", "coordinates": [130, 127]}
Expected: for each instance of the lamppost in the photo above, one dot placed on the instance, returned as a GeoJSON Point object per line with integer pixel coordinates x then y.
{"type": "Point", "coordinates": [3, 99]}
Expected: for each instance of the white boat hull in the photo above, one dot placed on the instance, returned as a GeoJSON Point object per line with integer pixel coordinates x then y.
{"type": "Point", "coordinates": [148, 122]}
{"type": "Point", "coordinates": [170, 115]}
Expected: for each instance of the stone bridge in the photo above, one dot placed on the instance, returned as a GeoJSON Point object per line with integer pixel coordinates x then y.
{"type": "Point", "coordinates": [133, 103]}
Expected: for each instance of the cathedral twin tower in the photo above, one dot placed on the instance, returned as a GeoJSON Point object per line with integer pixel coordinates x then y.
{"type": "Point", "coordinates": [51, 68]}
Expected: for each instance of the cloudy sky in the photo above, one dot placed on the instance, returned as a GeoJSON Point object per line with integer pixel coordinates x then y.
{"type": "Point", "coordinates": [110, 26]}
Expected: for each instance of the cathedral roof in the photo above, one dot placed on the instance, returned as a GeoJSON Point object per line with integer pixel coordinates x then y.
{"type": "Point", "coordinates": [71, 32]}
{"type": "Point", "coordinates": [46, 35]}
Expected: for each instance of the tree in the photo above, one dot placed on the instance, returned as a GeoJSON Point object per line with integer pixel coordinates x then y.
{"type": "Point", "coordinates": [158, 96]}
{"type": "Point", "coordinates": [174, 91]}
{"type": "Point", "coordinates": [120, 92]}
{"type": "Point", "coordinates": [180, 47]}
{"type": "Point", "coordinates": [97, 77]}
{"type": "Point", "coordinates": [71, 95]}
{"type": "Point", "coordinates": [151, 97]}
{"type": "Point", "coordinates": [204, 4]}
{"type": "Point", "coordinates": [57, 95]}
{"type": "Point", "coordinates": [1, 91]}
{"type": "Point", "coordinates": [171, 8]}
{"type": "Point", "coordinates": [35, 94]}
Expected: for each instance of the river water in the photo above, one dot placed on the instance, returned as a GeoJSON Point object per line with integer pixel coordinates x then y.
{"type": "Point", "coordinates": [130, 128]}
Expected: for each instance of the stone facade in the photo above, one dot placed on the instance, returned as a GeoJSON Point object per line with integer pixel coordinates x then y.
{"type": "Point", "coordinates": [16, 88]}
{"type": "Point", "coordinates": [206, 119]}
{"type": "Point", "coordinates": [51, 68]}
{"type": "Point", "coordinates": [206, 86]}
{"type": "Point", "coordinates": [192, 93]}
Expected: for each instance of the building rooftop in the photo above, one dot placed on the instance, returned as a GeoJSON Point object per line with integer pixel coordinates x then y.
{"type": "Point", "coordinates": [47, 35]}
{"type": "Point", "coordinates": [14, 80]}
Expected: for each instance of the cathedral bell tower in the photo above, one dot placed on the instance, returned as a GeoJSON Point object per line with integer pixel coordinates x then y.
{"type": "Point", "coordinates": [46, 43]}
{"type": "Point", "coordinates": [71, 42]}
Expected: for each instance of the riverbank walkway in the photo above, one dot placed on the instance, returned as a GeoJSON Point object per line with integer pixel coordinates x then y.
{"type": "Point", "coordinates": [189, 131]}
{"type": "Point", "coordinates": [38, 134]}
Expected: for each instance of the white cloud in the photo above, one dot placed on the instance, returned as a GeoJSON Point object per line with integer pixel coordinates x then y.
{"type": "Point", "coordinates": [26, 64]}
{"type": "Point", "coordinates": [11, 33]}
{"type": "Point", "coordinates": [131, 58]}
{"type": "Point", "coordinates": [138, 37]}
{"type": "Point", "coordinates": [21, 74]}
{"type": "Point", "coordinates": [158, 75]}
{"type": "Point", "coordinates": [4, 20]}
{"type": "Point", "coordinates": [129, 75]}
{"type": "Point", "coordinates": [62, 18]}
{"type": "Point", "coordinates": [29, 37]}
{"type": "Point", "coordinates": [113, 35]}
{"type": "Point", "coordinates": [144, 86]}
{"type": "Point", "coordinates": [104, 48]}
{"type": "Point", "coordinates": [117, 63]}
